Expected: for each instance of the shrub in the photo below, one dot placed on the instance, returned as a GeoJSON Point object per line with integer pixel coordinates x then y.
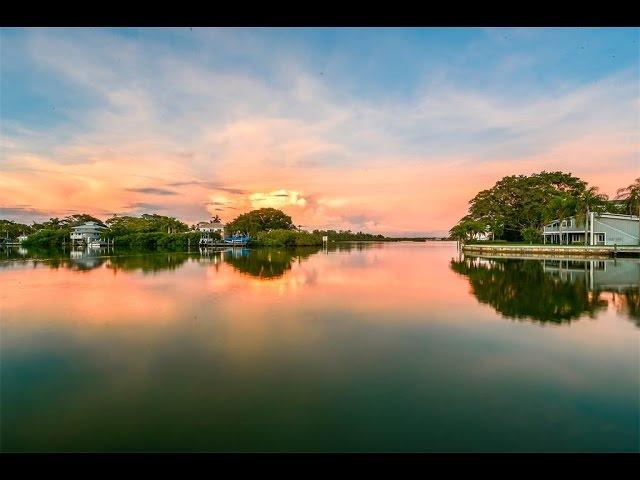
{"type": "Point", "coordinates": [287, 238]}
{"type": "Point", "coordinates": [531, 235]}
{"type": "Point", "coordinates": [158, 240]}
{"type": "Point", "coordinates": [47, 237]}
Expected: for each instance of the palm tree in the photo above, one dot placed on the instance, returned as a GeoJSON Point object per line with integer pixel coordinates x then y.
{"type": "Point", "coordinates": [216, 219]}
{"type": "Point", "coordinates": [559, 209]}
{"type": "Point", "coordinates": [458, 232]}
{"type": "Point", "coordinates": [590, 200]}
{"type": "Point", "coordinates": [631, 197]}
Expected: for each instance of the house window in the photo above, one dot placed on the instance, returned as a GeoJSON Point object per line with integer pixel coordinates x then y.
{"type": "Point", "coordinates": [564, 223]}
{"type": "Point", "coordinates": [600, 237]}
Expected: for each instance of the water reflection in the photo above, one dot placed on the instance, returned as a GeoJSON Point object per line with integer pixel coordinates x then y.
{"type": "Point", "coordinates": [356, 347]}
{"type": "Point", "coordinates": [552, 290]}
{"type": "Point", "coordinates": [264, 262]}
{"type": "Point", "coordinates": [267, 263]}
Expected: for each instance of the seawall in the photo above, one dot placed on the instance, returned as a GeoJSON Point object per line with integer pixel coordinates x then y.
{"type": "Point", "coordinates": [581, 251]}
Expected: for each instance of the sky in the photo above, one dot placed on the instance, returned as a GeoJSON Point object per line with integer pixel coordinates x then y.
{"type": "Point", "coordinates": [387, 131]}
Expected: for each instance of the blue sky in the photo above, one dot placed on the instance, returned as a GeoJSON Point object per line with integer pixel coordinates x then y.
{"type": "Point", "coordinates": [352, 124]}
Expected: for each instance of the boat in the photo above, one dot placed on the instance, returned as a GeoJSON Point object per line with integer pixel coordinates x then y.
{"type": "Point", "coordinates": [234, 241]}
{"type": "Point", "coordinates": [237, 240]}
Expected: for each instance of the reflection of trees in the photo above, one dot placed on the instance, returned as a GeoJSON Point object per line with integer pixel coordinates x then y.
{"type": "Point", "coordinates": [85, 260]}
{"type": "Point", "coordinates": [267, 263]}
{"type": "Point", "coordinates": [260, 262]}
{"type": "Point", "coordinates": [149, 262]}
{"type": "Point", "coordinates": [519, 288]}
{"type": "Point", "coordinates": [359, 246]}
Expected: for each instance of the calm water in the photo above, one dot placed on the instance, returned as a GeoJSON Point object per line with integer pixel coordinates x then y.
{"type": "Point", "coordinates": [363, 347]}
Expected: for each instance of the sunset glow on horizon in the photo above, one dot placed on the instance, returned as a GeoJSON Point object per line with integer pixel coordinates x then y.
{"type": "Point", "coordinates": [381, 130]}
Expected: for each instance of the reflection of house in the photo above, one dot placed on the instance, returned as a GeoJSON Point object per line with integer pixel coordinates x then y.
{"type": "Point", "coordinates": [214, 226]}
{"type": "Point", "coordinates": [87, 232]}
{"type": "Point", "coordinates": [599, 274]}
{"type": "Point", "coordinates": [84, 260]}
{"type": "Point", "coordinates": [600, 229]}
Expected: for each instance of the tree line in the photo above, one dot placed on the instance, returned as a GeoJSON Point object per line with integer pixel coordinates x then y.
{"type": "Point", "coordinates": [518, 206]}
{"type": "Point", "coordinates": [266, 226]}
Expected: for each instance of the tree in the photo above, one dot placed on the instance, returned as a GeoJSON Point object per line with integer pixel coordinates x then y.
{"type": "Point", "coordinates": [261, 220]}
{"type": "Point", "coordinates": [531, 235]}
{"type": "Point", "coordinates": [630, 197]}
{"type": "Point", "coordinates": [79, 219]}
{"type": "Point", "coordinates": [559, 209]}
{"type": "Point", "coordinates": [124, 225]}
{"type": "Point", "coordinates": [589, 201]}
{"type": "Point", "coordinates": [13, 230]}
{"type": "Point", "coordinates": [458, 232]}
{"type": "Point", "coordinates": [518, 202]}
{"type": "Point", "coordinates": [467, 228]}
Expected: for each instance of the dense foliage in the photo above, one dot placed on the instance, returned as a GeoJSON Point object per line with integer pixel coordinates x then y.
{"type": "Point", "coordinates": [146, 231]}
{"type": "Point", "coordinates": [265, 226]}
{"type": "Point", "coordinates": [48, 237]}
{"type": "Point", "coordinates": [629, 198]}
{"type": "Point", "coordinates": [125, 225]}
{"type": "Point", "coordinates": [158, 240]}
{"type": "Point", "coordinates": [53, 227]}
{"type": "Point", "coordinates": [282, 237]}
{"type": "Point", "coordinates": [517, 206]}
{"type": "Point", "coordinates": [13, 230]}
{"type": "Point", "coordinates": [261, 220]}
{"type": "Point", "coordinates": [348, 235]}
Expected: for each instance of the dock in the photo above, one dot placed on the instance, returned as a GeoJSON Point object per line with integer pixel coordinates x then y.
{"type": "Point", "coordinates": [208, 241]}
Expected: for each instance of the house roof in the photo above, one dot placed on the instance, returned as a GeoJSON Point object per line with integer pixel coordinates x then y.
{"type": "Point", "coordinates": [212, 224]}
{"type": "Point", "coordinates": [618, 216]}
{"type": "Point", "coordinates": [90, 224]}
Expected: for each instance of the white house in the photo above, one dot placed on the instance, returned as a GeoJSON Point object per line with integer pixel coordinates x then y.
{"type": "Point", "coordinates": [598, 229]}
{"type": "Point", "coordinates": [213, 226]}
{"type": "Point", "coordinates": [87, 232]}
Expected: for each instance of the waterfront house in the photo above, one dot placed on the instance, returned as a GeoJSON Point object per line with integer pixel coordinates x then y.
{"type": "Point", "coordinates": [214, 226]}
{"type": "Point", "coordinates": [87, 232]}
{"type": "Point", "coordinates": [22, 238]}
{"type": "Point", "coordinates": [596, 229]}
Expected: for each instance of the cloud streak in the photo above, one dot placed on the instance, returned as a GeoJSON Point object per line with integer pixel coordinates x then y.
{"type": "Point", "coordinates": [152, 191]}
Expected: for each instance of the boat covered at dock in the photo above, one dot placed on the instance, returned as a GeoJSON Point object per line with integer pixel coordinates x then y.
{"type": "Point", "coordinates": [235, 240]}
